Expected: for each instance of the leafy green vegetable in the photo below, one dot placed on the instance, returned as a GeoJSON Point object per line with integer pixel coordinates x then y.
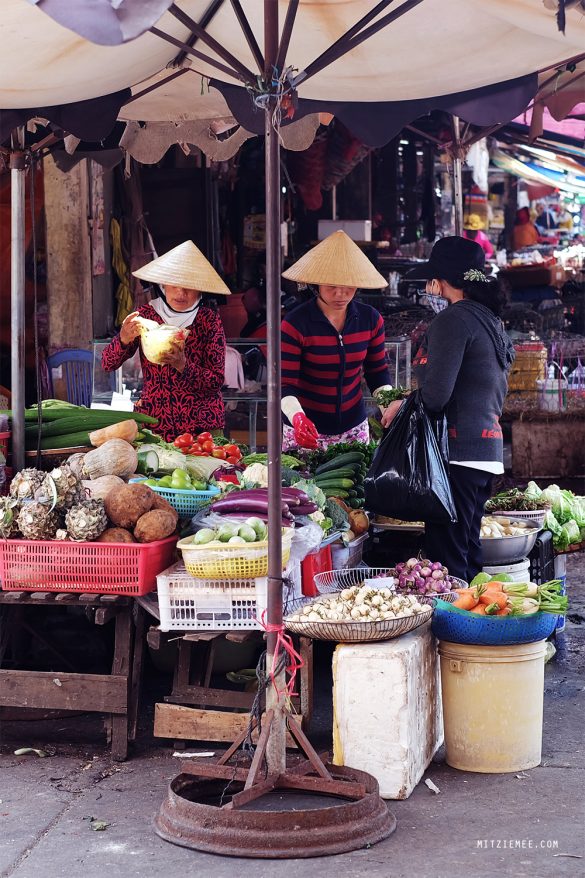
{"type": "Point", "coordinates": [385, 397]}
{"type": "Point", "coordinates": [313, 492]}
{"type": "Point", "coordinates": [258, 457]}
{"type": "Point", "coordinates": [338, 516]}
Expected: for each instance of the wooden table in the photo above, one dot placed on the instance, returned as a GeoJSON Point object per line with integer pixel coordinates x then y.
{"type": "Point", "coordinates": [115, 694]}
{"type": "Point", "coordinates": [195, 710]}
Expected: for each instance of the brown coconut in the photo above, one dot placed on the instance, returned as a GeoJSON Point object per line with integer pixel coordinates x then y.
{"type": "Point", "coordinates": [155, 525]}
{"type": "Point", "coordinates": [116, 535]}
{"type": "Point", "coordinates": [125, 505]}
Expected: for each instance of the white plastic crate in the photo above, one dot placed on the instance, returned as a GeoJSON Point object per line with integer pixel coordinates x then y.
{"type": "Point", "coordinates": [189, 604]}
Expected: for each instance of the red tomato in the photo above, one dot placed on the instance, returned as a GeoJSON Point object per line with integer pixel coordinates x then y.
{"type": "Point", "coordinates": [185, 440]}
{"type": "Point", "coordinates": [207, 446]}
{"type": "Point", "coordinates": [220, 453]}
{"type": "Point", "coordinates": [233, 451]}
{"type": "Point", "coordinates": [233, 460]}
{"type": "Point", "coordinates": [204, 437]}
{"type": "Point", "coordinates": [198, 453]}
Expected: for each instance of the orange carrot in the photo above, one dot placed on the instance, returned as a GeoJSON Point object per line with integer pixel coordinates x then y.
{"type": "Point", "coordinates": [479, 609]}
{"type": "Point", "coordinates": [466, 601]}
{"type": "Point", "coordinates": [505, 612]}
{"type": "Point", "coordinates": [494, 597]}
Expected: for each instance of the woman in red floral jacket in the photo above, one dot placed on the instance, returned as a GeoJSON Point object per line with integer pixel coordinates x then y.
{"type": "Point", "coordinates": [184, 393]}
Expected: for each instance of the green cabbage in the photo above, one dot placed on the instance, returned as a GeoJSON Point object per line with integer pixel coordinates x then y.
{"type": "Point", "coordinates": [532, 491]}
{"type": "Point", "coordinates": [313, 492]}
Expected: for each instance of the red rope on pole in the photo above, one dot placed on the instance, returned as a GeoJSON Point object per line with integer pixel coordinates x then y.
{"type": "Point", "coordinates": [283, 644]}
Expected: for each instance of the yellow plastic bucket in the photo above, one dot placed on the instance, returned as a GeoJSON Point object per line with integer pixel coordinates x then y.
{"type": "Point", "coordinates": [492, 705]}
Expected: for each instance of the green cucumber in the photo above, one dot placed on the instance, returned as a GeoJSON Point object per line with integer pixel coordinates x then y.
{"type": "Point", "coordinates": [335, 492]}
{"type": "Point", "coordinates": [147, 462]}
{"type": "Point", "coordinates": [334, 483]}
{"type": "Point", "coordinates": [70, 440]}
{"type": "Point", "coordinates": [344, 473]}
{"type": "Point", "coordinates": [341, 461]}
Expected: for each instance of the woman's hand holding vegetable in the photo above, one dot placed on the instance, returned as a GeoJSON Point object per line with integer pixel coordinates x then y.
{"type": "Point", "coordinates": [390, 412]}
{"type": "Point", "coordinates": [131, 328]}
{"type": "Point", "coordinates": [306, 433]}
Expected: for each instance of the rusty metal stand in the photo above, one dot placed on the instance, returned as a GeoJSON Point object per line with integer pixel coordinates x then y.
{"type": "Point", "coordinates": [354, 815]}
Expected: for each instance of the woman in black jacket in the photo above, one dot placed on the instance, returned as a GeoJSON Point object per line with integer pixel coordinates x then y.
{"type": "Point", "coordinates": [462, 370]}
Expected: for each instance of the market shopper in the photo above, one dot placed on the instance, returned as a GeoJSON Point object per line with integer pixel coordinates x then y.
{"type": "Point", "coordinates": [473, 227]}
{"type": "Point", "coordinates": [184, 393]}
{"type": "Point", "coordinates": [462, 370]}
{"type": "Point", "coordinates": [524, 233]}
{"type": "Point", "coordinates": [327, 344]}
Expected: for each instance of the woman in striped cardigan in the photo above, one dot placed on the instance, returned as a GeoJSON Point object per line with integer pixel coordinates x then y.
{"type": "Point", "coordinates": [328, 345]}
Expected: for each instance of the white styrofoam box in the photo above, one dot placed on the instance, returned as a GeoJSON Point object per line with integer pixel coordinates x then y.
{"type": "Point", "coordinates": [387, 717]}
{"type": "Point", "coordinates": [358, 230]}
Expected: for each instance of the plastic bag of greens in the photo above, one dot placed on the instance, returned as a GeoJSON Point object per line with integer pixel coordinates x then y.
{"type": "Point", "coordinates": [408, 476]}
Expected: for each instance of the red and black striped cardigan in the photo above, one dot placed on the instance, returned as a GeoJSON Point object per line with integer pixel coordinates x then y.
{"type": "Point", "coordinates": [323, 367]}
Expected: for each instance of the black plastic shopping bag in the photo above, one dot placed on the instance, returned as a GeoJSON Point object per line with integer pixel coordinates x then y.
{"type": "Point", "coordinates": [408, 478]}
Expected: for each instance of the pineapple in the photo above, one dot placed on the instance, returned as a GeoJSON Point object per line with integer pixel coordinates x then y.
{"type": "Point", "coordinates": [26, 484]}
{"type": "Point", "coordinates": [37, 521]}
{"type": "Point", "coordinates": [62, 487]}
{"type": "Point", "coordinates": [86, 520]}
{"type": "Point", "coordinates": [9, 507]}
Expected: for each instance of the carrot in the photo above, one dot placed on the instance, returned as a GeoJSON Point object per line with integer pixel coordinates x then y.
{"type": "Point", "coordinates": [479, 609]}
{"type": "Point", "coordinates": [466, 601]}
{"type": "Point", "coordinates": [504, 612]}
{"type": "Point", "coordinates": [494, 597]}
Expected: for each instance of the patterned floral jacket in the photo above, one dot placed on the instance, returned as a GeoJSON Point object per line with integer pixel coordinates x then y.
{"type": "Point", "coordinates": [186, 402]}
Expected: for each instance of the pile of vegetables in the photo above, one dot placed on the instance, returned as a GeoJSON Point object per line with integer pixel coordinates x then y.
{"type": "Point", "coordinates": [498, 596]}
{"type": "Point", "coordinates": [343, 477]}
{"type": "Point", "coordinates": [359, 604]}
{"type": "Point", "coordinates": [295, 502]}
{"type": "Point", "coordinates": [179, 480]}
{"type": "Point", "coordinates": [566, 517]}
{"type": "Point", "coordinates": [515, 500]}
{"type": "Point", "coordinates": [86, 500]}
{"type": "Point", "coordinates": [204, 445]}
{"type": "Point", "coordinates": [496, 528]}
{"type": "Point", "coordinates": [423, 577]}
{"type": "Point", "coordinates": [253, 530]}
{"type": "Point", "coordinates": [64, 425]}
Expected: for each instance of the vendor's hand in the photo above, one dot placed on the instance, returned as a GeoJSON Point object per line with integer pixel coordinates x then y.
{"type": "Point", "coordinates": [390, 412]}
{"type": "Point", "coordinates": [306, 433]}
{"type": "Point", "coordinates": [131, 328]}
{"type": "Point", "coordinates": [175, 357]}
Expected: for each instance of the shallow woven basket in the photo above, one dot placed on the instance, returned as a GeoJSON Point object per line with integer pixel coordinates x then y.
{"type": "Point", "coordinates": [336, 580]}
{"type": "Point", "coordinates": [358, 632]}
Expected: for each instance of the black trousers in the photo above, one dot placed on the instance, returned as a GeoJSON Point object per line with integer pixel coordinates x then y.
{"type": "Point", "coordinates": [457, 546]}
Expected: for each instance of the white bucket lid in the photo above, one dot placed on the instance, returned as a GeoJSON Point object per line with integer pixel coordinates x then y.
{"type": "Point", "coordinates": [518, 567]}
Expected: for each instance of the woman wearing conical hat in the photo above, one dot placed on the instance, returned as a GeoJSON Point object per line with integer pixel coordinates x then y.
{"type": "Point", "coordinates": [328, 343]}
{"type": "Point", "coordinates": [183, 391]}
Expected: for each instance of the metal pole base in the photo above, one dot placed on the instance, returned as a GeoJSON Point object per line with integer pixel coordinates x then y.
{"type": "Point", "coordinates": [312, 809]}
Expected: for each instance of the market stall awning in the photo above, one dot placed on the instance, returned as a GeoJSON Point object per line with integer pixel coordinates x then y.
{"type": "Point", "coordinates": [49, 60]}
{"type": "Point", "coordinates": [536, 172]}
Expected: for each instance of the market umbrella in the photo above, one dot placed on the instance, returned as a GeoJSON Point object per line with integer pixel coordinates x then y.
{"type": "Point", "coordinates": [354, 56]}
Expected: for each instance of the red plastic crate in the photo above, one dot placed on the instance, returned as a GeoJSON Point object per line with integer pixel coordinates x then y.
{"type": "Point", "coordinates": [99, 568]}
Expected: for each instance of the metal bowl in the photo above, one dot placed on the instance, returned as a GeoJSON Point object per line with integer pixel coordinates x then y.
{"type": "Point", "coordinates": [507, 550]}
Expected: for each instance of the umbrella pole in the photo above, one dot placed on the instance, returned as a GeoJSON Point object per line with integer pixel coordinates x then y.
{"type": "Point", "coordinates": [276, 745]}
{"type": "Point", "coordinates": [457, 184]}
{"type": "Point", "coordinates": [17, 298]}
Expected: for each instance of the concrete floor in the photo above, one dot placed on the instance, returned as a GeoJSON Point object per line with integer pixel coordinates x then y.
{"type": "Point", "coordinates": [478, 826]}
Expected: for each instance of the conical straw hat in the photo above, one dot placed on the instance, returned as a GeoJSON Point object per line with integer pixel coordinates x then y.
{"type": "Point", "coordinates": [184, 266]}
{"type": "Point", "coordinates": [336, 261]}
